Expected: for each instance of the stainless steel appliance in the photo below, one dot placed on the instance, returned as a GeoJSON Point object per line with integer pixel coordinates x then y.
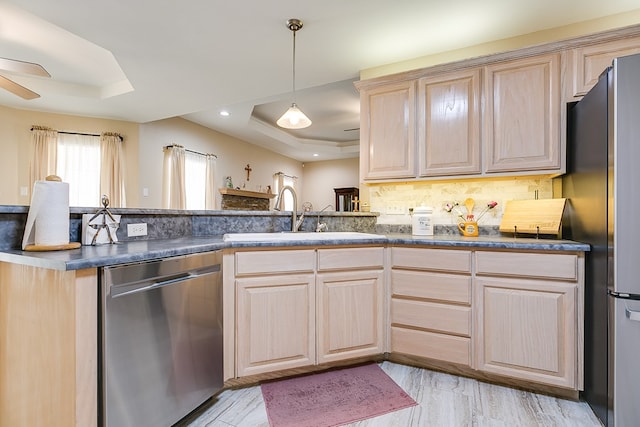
{"type": "Point", "coordinates": [161, 340]}
{"type": "Point", "coordinates": [603, 186]}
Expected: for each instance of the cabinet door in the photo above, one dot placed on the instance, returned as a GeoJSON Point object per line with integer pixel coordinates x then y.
{"type": "Point", "coordinates": [387, 131]}
{"type": "Point", "coordinates": [527, 329]}
{"type": "Point", "coordinates": [350, 314]}
{"type": "Point", "coordinates": [591, 61]}
{"type": "Point", "coordinates": [275, 323]}
{"type": "Point", "coordinates": [449, 124]}
{"type": "Point", "coordinates": [522, 115]}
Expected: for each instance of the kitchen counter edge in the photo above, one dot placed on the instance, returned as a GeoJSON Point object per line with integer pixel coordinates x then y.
{"type": "Point", "coordinates": [147, 250]}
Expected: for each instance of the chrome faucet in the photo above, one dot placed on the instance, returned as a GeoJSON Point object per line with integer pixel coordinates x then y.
{"type": "Point", "coordinates": [295, 224]}
{"type": "Point", "coordinates": [322, 226]}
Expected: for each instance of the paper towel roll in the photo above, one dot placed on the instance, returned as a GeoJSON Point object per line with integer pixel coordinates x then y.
{"type": "Point", "coordinates": [48, 218]}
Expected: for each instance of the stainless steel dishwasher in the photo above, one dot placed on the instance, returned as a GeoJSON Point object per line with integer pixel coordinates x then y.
{"type": "Point", "coordinates": [161, 339]}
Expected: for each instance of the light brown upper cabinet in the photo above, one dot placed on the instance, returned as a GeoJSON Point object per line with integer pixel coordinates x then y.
{"type": "Point", "coordinates": [449, 124]}
{"type": "Point", "coordinates": [522, 115]}
{"type": "Point", "coordinates": [502, 114]}
{"type": "Point", "coordinates": [387, 131]}
{"type": "Point", "coordinates": [590, 61]}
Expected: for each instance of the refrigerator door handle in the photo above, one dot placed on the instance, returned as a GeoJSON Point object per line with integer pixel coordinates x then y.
{"type": "Point", "coordinates": [632, 314]}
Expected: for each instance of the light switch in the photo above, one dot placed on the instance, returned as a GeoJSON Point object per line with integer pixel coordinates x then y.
{"type": "Point", "coordinates": [24, 191]}
{"type": "Point", "coordinates": [145, 192]}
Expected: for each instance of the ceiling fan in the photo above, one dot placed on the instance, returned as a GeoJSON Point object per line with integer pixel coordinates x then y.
{"type": "Point", "coordinates": [20, 67]}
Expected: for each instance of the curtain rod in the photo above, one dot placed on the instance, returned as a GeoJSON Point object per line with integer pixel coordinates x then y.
{"type": "Point", "coordinates": [190, 151]}
{"type": "Point", "coordinates": [85, 134]}
{"type": "Point", "coordinates": [284, 174]}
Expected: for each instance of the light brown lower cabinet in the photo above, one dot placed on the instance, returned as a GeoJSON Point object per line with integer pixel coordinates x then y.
{"type": "Point", "coordinates": [48, 347]}
{"type": "Point", "coordinates": [349, 315]}
{"type": "Point", "coordinates": [431, 313]}
{"type": "Point", "coordinates": [529, 316]}
{"type": "Point", "coordinates": [512, 314]}
{"type": "Point", "coordinates": [515, 314]}
{"type": "Point", "coordinates": [275, 323]}
{"type": "Point", "coordinates": [297, 308]}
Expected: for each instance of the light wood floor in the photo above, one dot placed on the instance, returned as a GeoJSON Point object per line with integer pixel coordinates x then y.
{"type": "Point", "coordinates": [443, 400]}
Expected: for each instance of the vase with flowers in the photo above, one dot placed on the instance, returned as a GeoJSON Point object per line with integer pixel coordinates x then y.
{"type": "Point", "coordinates": [468, 223]}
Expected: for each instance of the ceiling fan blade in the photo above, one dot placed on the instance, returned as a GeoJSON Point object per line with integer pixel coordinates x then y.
{"type": "Point", "coordinates": [15, 66]}
{"type": "Point", "coordinates": [17, 89]}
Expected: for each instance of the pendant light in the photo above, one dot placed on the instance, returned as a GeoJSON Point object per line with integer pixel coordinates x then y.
{"type": "Point", "coordinates": [294, 118]}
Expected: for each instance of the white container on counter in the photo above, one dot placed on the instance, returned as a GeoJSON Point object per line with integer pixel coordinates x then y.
{"type": "Point", "coordinates": [422, 221]}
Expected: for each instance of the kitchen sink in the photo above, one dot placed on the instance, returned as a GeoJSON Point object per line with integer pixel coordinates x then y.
{"type": "Point", "coordinates": [291, 236]}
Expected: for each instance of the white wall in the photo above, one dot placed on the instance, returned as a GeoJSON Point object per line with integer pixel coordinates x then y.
{"type": "Point", "coordinates": [320, 178]}
{"type": "Point", "coordinates": [143, 149]}
{"type": "Point", "coordinates": [15, 143]}
{"type": "Point", "coordinates": [233, 156]}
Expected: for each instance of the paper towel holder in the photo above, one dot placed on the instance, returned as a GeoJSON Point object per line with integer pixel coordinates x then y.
{"type": "Point", "coordinates": [44, 248]}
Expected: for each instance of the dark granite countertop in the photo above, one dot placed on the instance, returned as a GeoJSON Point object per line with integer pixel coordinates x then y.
{"type": "Point", "coordinates": [146, 250]}
{"type": "Point", "coordinates": [120, 253]}
{"type": "Point", "coordinates": [489, 242]}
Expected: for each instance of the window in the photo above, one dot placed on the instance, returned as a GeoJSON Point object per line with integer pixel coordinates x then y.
{"type": "Point", "coordinates": [280, 180]}
{"type": "Point", "coordinates": [195, 174]}
{"type": "Point", "coordinates": [79, 165]}
{"type": "Point", "coordinates": [287, 196]}
{"type": "Point", "coordinates": [188, 179]}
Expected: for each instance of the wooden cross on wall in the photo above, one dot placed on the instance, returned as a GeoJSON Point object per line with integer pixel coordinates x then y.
{"type": "Point", "coordinates": [248, 169]}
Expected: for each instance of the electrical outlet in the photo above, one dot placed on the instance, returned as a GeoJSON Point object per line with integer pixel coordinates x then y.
{"type": "Point", "coordinates": [134, 230]}
{"type": "Point", "coordinates": [395, 209]}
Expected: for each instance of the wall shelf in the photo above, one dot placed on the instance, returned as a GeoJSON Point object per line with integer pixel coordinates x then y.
{"type": "Point", "coordinates": [245, 200]}
{"type": "Point", "coordinates": [246, 193]}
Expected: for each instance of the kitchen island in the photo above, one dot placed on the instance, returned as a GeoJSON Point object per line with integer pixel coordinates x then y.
{"type": "Point", "coordinates": [49, 302]}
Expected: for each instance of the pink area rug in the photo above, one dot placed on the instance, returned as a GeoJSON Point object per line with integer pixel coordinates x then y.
{"type": "Point", "coordinates": [333, 398]}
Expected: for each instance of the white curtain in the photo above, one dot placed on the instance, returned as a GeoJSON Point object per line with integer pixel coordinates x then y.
{"type": "Point", "coordinates": [79, 165]}
{"type": "Point", "coordinates": [112, 169]}
{"type": "Point", "coordinates": [210, 182]}
{"type": "Point", "coordinates": [173, 182]}
{"type": "Point", "coordinates": [44, 158]}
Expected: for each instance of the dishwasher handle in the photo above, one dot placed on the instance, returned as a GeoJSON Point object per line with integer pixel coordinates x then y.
{"type": "Point", "coordinates": [146, 286]}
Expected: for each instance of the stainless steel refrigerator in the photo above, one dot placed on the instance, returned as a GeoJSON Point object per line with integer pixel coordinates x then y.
{"type": "Point", "coordinates": [603, 189]}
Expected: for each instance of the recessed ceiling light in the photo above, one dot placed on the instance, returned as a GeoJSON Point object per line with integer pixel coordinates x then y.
{"type": "Point", "coordinates": [315, 154]}
{"type": "Point", "coordinates": [224, 113]}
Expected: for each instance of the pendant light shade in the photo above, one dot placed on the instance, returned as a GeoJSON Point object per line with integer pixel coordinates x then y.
{"type": "Point", "coordinates": [294, 118]}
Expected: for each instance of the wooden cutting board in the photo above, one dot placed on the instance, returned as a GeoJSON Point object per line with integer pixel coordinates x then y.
{"type": "Point", "coordinates": [44, 248]}
{"type": "Point", "coordinates": [528, 215]}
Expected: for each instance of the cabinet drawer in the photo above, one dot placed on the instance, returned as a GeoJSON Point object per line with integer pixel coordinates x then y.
{"type": "Point", "coordinates": [338, 259]}
{"type": "Point", "coordinates": [550, 266]}
{"type": "Point", "coordinates": [435, 286]}
{"type": "Point", "coordinates": [432, 345]}
{"type": "Point", "coordinates": [432, 259]}
{"type": "Point", "coordinates": [281, 261]}
{"type": "Point", "coordinates": [428, 315]}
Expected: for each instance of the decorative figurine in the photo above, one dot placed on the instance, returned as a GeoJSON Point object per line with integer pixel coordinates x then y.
{"type": "Point", "coordinates": [229, 182]}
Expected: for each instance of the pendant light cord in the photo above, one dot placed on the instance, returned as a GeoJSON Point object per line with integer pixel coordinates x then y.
{"type": "Point", "coordinates": [294, 65]}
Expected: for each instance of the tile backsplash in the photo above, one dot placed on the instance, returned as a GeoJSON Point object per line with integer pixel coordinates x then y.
{"type": "Point", "coordinates": [393, 200]}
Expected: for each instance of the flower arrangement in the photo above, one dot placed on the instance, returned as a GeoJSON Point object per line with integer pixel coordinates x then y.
{"type": "Point", "coordinates": [489, 206]}
{"type": "Point", "coordinates": [455, 208]}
